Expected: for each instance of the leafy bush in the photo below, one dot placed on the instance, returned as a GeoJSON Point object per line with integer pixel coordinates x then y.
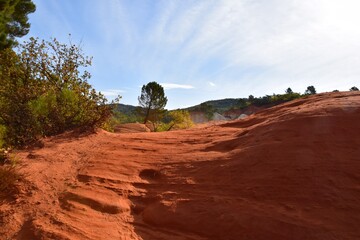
{"type": "Point", "coordinates": [110, 124]}
{"type": "Point", "coordinates": [44, 92]}
{"type": "Point", "coordinates": [280, 98]}
{"type": "Point", "coordinates": [275, 99]}
{"type": "Point", "coordinates": [177, 119]}
{"type": "Point", "coordinates": [180, 120]}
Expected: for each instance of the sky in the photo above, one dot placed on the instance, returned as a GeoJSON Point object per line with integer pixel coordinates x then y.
{"type": "Point", "coordinates": [201, 50]}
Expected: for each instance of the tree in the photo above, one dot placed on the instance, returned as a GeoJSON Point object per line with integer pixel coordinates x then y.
{"type": "Point", "coordinates": [310, 90]}
{"type": "Point", "coordinates": [289, 91]}
{"type": "Point", "coordinates": [152, 100]}
{"type": "Point", "coordinates": [354, 89]}
{"type": "Point", "coordinates": [251, 98]}
{"type": "Point", "coordinates": [14, 20]}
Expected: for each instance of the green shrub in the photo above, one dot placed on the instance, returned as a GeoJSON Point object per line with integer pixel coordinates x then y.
{"type": "Point", "coordinates": [177, 119]}
{"type": "Point", "coordinates": [44, 91]}
{"type": "Point", "coordinates": [110, 124]}
{"type": "Point", "coordinates": [275, 99]}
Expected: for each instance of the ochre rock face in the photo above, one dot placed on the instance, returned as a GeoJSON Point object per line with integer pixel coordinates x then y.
{"type": "Point", "coordinates": [287, 172]}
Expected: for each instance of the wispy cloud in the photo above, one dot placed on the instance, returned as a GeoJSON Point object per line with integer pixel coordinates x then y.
{"type": "Point", "coordinates": [212, 84]}
{"type": "Point", "coordinates": [169, 86]}
{"type": "Point", "coordinates": [112, 92]}
{"type": "Point", "coordinates": [245, 47]}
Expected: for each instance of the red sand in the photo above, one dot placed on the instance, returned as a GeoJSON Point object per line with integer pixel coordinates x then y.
{"type": "Point", "coordinates": [288, 172]}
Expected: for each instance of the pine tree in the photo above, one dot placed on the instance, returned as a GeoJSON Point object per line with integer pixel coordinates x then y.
{"type": "Point", "coordinates": [14, 20]}
{"type": "Point", "coordinates": [310, 90]}
{"type": "Point", "coordinates": [152, 100]}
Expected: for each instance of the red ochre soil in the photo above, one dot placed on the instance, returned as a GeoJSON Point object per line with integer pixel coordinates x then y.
{"type": "Point", "coordinates": [288, 172]}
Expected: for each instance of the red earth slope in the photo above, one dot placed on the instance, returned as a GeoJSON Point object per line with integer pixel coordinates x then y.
{"type": "Point", "coordinates": [289, 172]}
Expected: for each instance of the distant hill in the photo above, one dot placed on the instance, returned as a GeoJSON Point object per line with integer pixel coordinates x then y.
{"type": "Point", "coordinates": [219, 106]}
{"type": "Point", "coordinates": [125, 109]}
{"type": "Point", "coordinates": [209, 110]}
{"type": "Point", "coordinates": [229, 108]}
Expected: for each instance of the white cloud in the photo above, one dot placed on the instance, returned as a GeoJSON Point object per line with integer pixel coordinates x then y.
{"type": "Point", "coordinates": [169, 86]}
{"type": "Point", "coordinates": [212, 84]}
{"type": "Point", "coordinates": [262, 46]}
{"type": "Point", "coordinates": [244, 46]}
{"type": "Point", "coordinates": [112, 92]}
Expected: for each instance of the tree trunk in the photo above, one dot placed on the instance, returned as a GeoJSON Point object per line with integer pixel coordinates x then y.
{"type": "Point", "coordinates": [147, 115]}
{"type": "Point", "coordinates": [170, 127]}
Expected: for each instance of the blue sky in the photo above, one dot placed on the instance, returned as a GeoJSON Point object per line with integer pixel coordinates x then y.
{"type": "Point", "coordinates": [209, 49]}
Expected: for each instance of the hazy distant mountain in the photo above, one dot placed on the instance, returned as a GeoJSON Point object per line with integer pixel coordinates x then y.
{"type": "Point", "coordinates": [220, 106]}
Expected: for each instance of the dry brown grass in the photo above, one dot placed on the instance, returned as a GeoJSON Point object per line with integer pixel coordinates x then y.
{"type": "Point", "coordinates": [9, 176]}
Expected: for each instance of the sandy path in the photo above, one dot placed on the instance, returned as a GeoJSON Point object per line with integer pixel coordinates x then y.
{"type": "Point", "coordinates": [289, 172]}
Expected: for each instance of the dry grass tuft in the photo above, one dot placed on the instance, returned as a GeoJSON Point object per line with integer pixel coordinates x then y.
{"type": "Point", "coordinates": [9, 176]}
